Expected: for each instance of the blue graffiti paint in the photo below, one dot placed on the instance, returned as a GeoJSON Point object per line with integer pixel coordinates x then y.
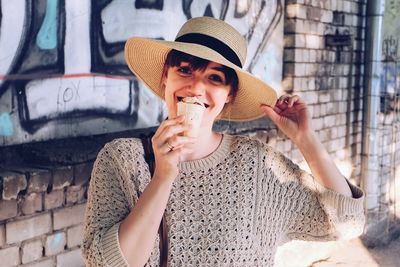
{"type": "Point", "coordinates": [47, 36]}
{"type": "Point", "coordinates": [6, 126]}
{"type": "Point", "coordinates": [57, 239]}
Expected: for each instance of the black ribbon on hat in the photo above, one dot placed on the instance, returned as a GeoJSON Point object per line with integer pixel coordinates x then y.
{"type": "Point", "coordinates": [213, 43]}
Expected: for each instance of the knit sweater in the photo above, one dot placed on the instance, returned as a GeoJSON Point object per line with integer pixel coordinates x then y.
{"type": "Point", "coordinates": [231, 208]}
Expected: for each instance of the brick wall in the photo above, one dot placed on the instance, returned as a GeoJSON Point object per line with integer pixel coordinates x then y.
{"type": "Point", "coordinates": [41, 210]}
{"type": "Point", "coordinates": [328, 77]}
{"type": "Point", "coordinates": [41, 214]}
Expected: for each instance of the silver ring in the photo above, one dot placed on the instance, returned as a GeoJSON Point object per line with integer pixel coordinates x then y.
{"type": "Point", "coordinates": [171, 147]}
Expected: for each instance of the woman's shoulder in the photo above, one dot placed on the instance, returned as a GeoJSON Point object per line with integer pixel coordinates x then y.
{"type": "Point", "coordinates": [124, 145]}
{"type": "Point", "coordinates": [247, 141]}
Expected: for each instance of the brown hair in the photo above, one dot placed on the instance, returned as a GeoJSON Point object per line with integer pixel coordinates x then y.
{"type": "Point", "coordinates": [175, 58]}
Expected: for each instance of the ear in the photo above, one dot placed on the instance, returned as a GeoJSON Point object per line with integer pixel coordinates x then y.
{"type": "Point", "coordinates": [228, 99]}
{"type": "Point", "coordinates": [164, 76]}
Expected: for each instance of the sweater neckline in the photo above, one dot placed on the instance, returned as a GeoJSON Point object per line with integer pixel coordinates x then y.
{"type": "Point", "coordinates": [212, 159]}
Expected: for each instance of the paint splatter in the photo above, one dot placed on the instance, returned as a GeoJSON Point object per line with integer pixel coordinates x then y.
{"type": "Point", "coordinates": [47, 36]}
{"type": "Point", "coordinates": [6, 126]}
{"type": "Point", "coordinates": [57, 239]}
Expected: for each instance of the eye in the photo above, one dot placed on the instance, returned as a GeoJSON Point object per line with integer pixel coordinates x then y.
{"type": "Point", "coordinates": [184, 70]}
{"type": "Point", "coordinates": [216, 78]}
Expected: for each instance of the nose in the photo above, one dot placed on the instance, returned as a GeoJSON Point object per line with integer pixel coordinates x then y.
{"type": "Point", "coordinates": [197, 87]}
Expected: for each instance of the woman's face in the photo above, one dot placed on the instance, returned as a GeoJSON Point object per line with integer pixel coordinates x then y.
{"type": "Point", "coordinates": [208, 85]}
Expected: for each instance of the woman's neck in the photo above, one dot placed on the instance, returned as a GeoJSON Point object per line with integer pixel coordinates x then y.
{"type": "Point", "coordinates": [207, 142]}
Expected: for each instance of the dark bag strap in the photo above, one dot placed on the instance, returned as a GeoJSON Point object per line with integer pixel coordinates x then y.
{"type": "Point", "coordinates": [162, 230]}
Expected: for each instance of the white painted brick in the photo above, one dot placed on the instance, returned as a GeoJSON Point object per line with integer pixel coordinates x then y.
{"type": "Point", "coordinates": [9, 257]}
{"type": "Point", "coordinates": [74, 236]}
{"type": "Point", "coordinates": [311, 83]}
{"type": "Point", "coordinates": [32, 251]}
{"type": "Point", "coordinates": [333, 5]}
{"type": "Point", "coordinates": [45, 263]}
{"type": "Point", "coordinates": [313, 41]}
{"type": "Point", "coordinates": [310, 97]}
{"type": "Point", "coordinates": [28, 228]}
{"type": "Point", "coordinates": [300, 40]}
{"type": "Point", "coordinates": [354, 8]}
{"type": "Point", "coordinates": [318, 123]}
{"type": "Point", "coordinates": [317, 111]}
{"type": "Point", "coordinates": [54, 199]}
{"type": "Point", "coordinates": [288, 55]}
{"type": "Point", "coordinates": [323, 109]}
{"type": "Point", "coordinates": [300, 26]}
{"type": "Point", "coordinates": [305, 55]}
{"type": "Point", "coordinates": [55, 243]}
{"type": "Point", "coordinates": [339, 5]}
{"type": "Point", "coordinates": [312, 56]}
{"type": "Point", "coordinates": [329, 121]}
{"type": "Point", "coordinates": [297, 83]}
{"type": "Point", "coordinates": [343, 82]}
{"type": "Point", "coordinates": [311, 69]}
{"type": "Point", "coordinates": [299, 69]}
{"type": "Point", "coordinates": [327, 16]}
{"type": "Point", "coordinates": [320, 28]}
{"type": "Point", "coordinates": [72, 258]}
{"type": "Point", "coordinates": [296, 11]}
{"type": "Point", "coordinates": [346, 6]}
{"type": "Point", "coordinates": [68, 216]}
{"type": "Point", "coordinates": [2, 235]}
{"type": "Point", "coordinates": [324, 97]}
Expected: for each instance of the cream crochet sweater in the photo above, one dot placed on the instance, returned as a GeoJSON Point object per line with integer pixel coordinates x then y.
{"type": "Point", "coordinates": [232, 208]}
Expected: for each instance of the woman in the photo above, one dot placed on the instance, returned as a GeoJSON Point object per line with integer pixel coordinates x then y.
{"type": "Point", "coordinates": [228, 200]}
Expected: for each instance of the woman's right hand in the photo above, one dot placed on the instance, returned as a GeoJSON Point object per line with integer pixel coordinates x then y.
{"type": "Point", "coordinates": [167, 146]}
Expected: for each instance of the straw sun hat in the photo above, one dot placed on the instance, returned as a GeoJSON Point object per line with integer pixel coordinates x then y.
{"type": "Point", "coordinates": [211, 39]}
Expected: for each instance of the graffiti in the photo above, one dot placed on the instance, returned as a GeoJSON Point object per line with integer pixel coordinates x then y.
{"type": "Point", "coordinates": [62, 68]}
{"type": "Point", "coordinates": [6, 127]}
{"type": "Point", "coordinates": [389, 48]}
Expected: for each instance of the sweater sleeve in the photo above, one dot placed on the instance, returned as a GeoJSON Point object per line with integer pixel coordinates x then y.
{"type": "Point", "coordinates": [314, 212]}
{"type": "Point", "coordinates": [107, 206]}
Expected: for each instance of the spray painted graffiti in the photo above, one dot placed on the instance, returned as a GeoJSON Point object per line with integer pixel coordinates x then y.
{"type": "Point", "coordinates": [390, 74]}
{"type": "Point", "coordinates": [62, 71]}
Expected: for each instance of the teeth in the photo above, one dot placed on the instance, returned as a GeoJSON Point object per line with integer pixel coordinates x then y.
{"type": "Point", "coordinates": [180, 98]}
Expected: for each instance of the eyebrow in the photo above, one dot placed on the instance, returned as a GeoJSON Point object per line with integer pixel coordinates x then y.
{"type": "Point", "coordinates": [221, 69]}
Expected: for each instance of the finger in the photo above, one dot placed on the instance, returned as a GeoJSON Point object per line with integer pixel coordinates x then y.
{"type": "Point", "coordinates": [172, 131]}
{"type": "Point", "coordinates": [292, 100]}
{"type": "Point", "coordinates": [270, 112]}
{"type": "Point", "coordinates": [168, 123]}
{"type": "Point", "coordinates": [176, 142]}
{"type": "Point", "coordinates": [283, 99]}
{"type": "Point", "coordinates": [180, 141]}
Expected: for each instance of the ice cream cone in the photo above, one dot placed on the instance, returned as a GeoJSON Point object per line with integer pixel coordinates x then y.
{"type": "Point", "coordinates": [193, 111]}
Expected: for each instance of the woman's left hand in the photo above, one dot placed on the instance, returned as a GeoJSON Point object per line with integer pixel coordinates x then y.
{"type": "Point", "coordinates": [291, 115]}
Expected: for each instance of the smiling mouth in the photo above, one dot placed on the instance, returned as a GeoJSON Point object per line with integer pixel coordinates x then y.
{"type": "Point", "coordinates": [180, 99]}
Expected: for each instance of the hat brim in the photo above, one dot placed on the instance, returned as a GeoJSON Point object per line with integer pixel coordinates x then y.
{"type": "Point", "coordinates": [146, 58]}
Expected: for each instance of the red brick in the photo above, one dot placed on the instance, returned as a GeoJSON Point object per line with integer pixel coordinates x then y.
{"type": "Point", "coordinates": [32, 203]}
{"type": "Point", "coordinates": [72, 258]}
{"type": "Point", "coordinates": [54, 199]}
{"type": "Point", "coordinates": [38, 181]}
{"type": "Point", "coordinates": [55, 243]}
{"type": "Point", "coordinates": [8, 209]}
{"type": "Point", "coordinates": [13, 183]}
{"type": "Point", "coordinates": [62, 177]}
{"type": "Point", "coordinates": [9, 257]}
{"type": "Point", "coordinates": [28, 228]}
{"type": "Point", "coordinates": [82, 173]}
{"type": "Point", "coordinates": [74, 236]}
{"type": "Point", "coordinates": [32, 251]}
{"type": "Point", "coordinates": [68, 216]}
